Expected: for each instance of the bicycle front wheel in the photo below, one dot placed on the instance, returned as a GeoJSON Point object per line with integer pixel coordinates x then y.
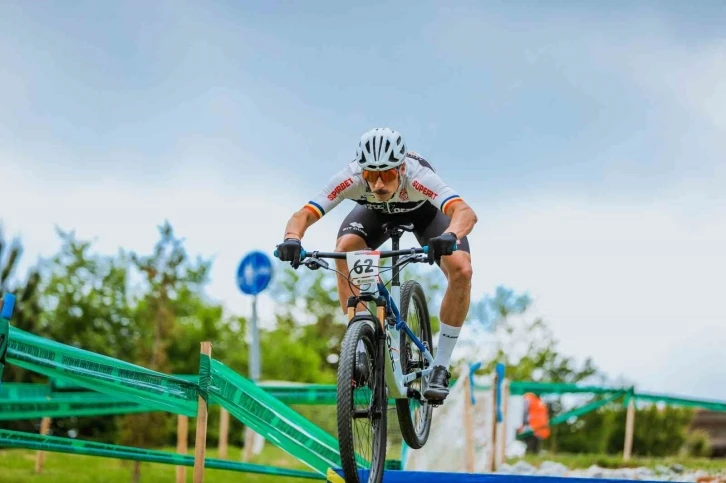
{"type": "Point", "coordinates": [414, 418]}
{"type": "Point", "coordinates": [362, 404]}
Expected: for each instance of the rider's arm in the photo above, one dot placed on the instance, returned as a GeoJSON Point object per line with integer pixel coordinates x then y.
{"type": "Point", "coordinates": [345, 184]}
{"type": "Point", "coordinates": [463, 219]}
{"type": "Point", "coordinates": [427, 185]}
{"type": "Point", "coordinates": [299, 223]}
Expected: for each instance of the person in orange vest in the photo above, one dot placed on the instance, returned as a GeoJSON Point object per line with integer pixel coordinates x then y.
{"type": "Point", "coordinates": [536, 418]}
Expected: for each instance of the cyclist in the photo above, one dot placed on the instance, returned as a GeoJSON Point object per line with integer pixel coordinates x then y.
{"type": "Point", "coordinates": [392, 184]}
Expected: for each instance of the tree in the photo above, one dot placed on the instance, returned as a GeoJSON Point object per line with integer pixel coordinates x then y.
{"type": "Point", "coordinates": [27, 308]}
{"type": "Point", "coordinates": [500, 329]}
{"type": "Point", "coordinates": [659, 431]}
{"type": "Point", "coordinates": [86, 304]}
{"type": "Point", "coordinates": [168, 276]}
{"type": "Point", "coordinates": [170, 283]}
{"type": "Point", "coordinates": [305, 343]}
{"type": "Point", "coordinates": [87, 301]}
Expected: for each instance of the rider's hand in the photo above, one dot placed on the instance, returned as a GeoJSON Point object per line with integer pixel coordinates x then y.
{"type": "Point", "coordinates": [289, 251]}
{"type": "Point", "coordinates": [440, 246]}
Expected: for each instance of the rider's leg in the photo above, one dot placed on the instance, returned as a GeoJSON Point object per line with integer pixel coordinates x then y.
{"type": "Point", "coordinates": [361, 229]}
{"type": "Point", "coordinates": [455, 304]}
{"type": "Point", "coordinates": [347, 243]}
{"type": "Point", "coordinates": [454, 307]}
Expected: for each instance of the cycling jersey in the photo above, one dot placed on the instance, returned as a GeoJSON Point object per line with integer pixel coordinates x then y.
{"type": "Point", "coordinates": [419, 184]}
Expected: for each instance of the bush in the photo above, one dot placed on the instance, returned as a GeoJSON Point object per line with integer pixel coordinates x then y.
{"type": "Point", "coordinates": [698, 443]}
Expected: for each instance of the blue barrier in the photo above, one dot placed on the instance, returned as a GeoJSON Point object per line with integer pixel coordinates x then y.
{"type": "Point", "coordinates": [393, 476]}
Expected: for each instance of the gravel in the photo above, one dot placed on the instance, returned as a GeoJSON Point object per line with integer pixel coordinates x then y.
{"type": "Point", "coordinates": [659, 473]}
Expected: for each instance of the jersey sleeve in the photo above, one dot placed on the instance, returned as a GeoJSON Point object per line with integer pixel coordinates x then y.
{"type": "Point", "coordinates": [343, 185]}
{"type": "Point", "coordinates": [427, 185]}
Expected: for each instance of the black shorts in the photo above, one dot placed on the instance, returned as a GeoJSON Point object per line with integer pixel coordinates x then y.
{"type": "Point", "coordinates": [428, 222]}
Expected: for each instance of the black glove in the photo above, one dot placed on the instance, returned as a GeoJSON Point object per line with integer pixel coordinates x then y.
{"type": "Point", "coordinates": [440, 246]}
{"type": "Point", "coordinates": [289, 251]}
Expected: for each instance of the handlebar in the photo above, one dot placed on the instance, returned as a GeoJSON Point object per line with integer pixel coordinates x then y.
{"type": "Point", "coordinates": [342, 255]}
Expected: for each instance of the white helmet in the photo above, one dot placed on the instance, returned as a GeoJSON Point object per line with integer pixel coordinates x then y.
{"type": "Point", "coordinates": [380, 149]}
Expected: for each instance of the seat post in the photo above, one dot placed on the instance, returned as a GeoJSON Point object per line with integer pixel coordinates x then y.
{"type": "Point", "coordinates": [395, 231]}
{"type": "Point", "coordinates": [395, 237]}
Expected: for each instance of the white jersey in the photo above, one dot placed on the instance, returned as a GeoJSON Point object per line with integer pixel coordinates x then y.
{"type": "Point", "coordinates": [419, 185]}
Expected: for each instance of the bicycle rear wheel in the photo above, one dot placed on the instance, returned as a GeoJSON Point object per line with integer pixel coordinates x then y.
{"type": "Point", "coordinates": [414, 418]}
{"type": "Point", "coordinates": [362, 404]}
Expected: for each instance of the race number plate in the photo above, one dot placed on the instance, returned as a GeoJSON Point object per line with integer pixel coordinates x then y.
{"type": "Point", "coordinates": [363, 269]}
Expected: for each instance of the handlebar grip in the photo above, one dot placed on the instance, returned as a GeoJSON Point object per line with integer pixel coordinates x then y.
{"type": "Point", "coordinates": [426, 248]}
{"type": "Point", "coordinates": [302, 254]}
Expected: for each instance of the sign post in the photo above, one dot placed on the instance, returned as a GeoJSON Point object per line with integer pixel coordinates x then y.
{"type": "Point", "coordinates": [253, 276]}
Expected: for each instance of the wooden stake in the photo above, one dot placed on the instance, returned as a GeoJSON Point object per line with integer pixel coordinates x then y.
{"type": "Point", "coordinates": [629, 427]}
{"type": "Point", "coordinates": [502, 435]}
{"type": "Point", "coordinates": [468, 424]}
{"type": "Point", "coordinates": [200, 444]}
{"type": "Point", "coordinates": [40, 455]}
{"type": "Point", "coordinates": [494, 442]}
{"type": "Point", "coordinates": [223, 432]}
{"type": "Point", "coordinates": [251, 439]}
{"type": "Point", "coordinates": [182, 435]}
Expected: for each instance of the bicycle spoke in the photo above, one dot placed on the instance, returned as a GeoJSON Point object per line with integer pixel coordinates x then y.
{"type": "Point", "coordinates": [414, 417]}
{"type": "Point", "coordinates": [361, 431]}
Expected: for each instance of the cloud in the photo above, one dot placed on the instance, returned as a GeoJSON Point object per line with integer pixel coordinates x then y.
{"type": "Point", "coordinates": [623, 99]}
{"type": "Point", "coordinates": [620, 283]}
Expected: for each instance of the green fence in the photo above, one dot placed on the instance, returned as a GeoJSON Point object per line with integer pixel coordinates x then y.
{"type": "Point", "coordinates": [154, 391]}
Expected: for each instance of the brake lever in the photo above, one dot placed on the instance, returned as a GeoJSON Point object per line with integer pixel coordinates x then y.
{"type": "Point", "coordinates": [410, 258]}
{"type": "Point", "coordinates": [315, 263]}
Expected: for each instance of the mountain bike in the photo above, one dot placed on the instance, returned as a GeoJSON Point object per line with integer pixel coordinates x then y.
{"type": "Point", "coordinates": [384, 355]}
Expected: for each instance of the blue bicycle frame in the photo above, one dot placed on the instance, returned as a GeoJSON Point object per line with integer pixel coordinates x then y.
{"type": "Point", "coordinates": [395, 379]}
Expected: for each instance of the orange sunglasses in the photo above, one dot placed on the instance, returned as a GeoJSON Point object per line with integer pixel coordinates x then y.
{"type": "Point", "coordinates": [387, 176]}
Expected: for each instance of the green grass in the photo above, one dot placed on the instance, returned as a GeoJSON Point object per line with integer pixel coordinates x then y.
{"type": "Point", "coordinates": [582, 461]}
{"type": "Point", "coordinates": [18, 466]}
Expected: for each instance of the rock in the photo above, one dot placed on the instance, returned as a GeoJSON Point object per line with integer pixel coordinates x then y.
{"type": "Point", "coordinates": [644, 473]}
{"type": "Point", "coordinates": [595, 471]}
{"type": "Point", "coordinates": [524, 468]}
{"type": "Point", "coordinates": [676, 472]}
{"type": "Point", "coordinates": [552, 468]}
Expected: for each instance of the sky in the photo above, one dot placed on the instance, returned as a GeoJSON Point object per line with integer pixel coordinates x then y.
{"type": "Point", "coordinates": [589, 138]}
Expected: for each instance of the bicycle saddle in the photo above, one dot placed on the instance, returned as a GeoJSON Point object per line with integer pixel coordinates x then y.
{"type": "Point", "coordinates": [392, 227]}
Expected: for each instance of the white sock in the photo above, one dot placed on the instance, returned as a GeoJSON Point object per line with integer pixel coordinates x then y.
{"type": "Point", "coordinates": [447, 341]}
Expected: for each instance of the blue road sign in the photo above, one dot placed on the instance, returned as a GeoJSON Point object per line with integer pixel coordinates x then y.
{"type": "Point", "coordinates": [8, 306]}
{"type": "Point", "coordinates": [254, 273]}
